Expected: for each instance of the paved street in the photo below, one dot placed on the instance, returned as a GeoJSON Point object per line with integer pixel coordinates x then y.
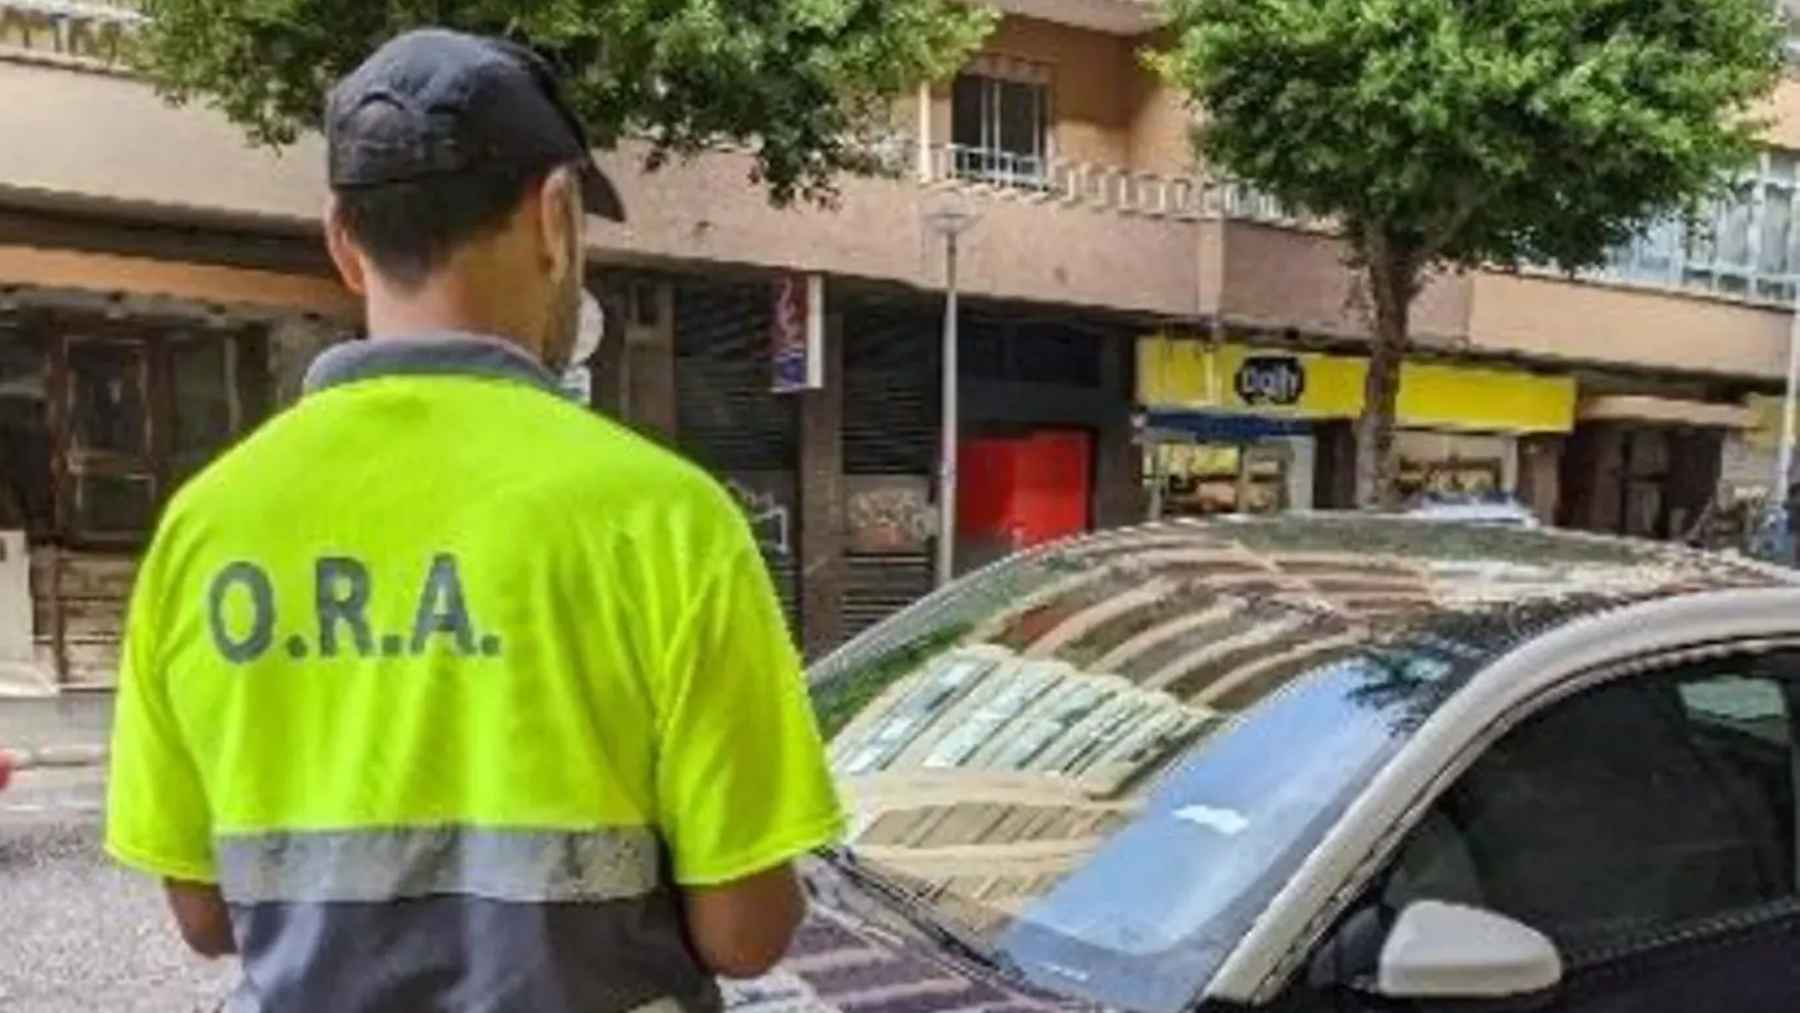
{"type": "Point", "coordinates": [77, 934]}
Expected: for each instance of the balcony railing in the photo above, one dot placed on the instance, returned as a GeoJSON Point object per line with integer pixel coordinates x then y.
{"type": "Point", "coordinates": [123, 11]}
{"type": "Point", "coordinates": [1749, 251]}
{"type": "Point", "coordinates": [1004, 175]}
{"type": "Point", "coordinates": [87, 32]}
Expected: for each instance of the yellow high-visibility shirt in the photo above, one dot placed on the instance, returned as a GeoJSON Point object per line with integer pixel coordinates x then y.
{"type": "Point", "coordinates": [439, 656]}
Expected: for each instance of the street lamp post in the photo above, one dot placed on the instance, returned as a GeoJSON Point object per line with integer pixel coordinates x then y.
{"type": "Point", "coordinates": [1784, 464]}
{"type": "Point", "coordinates": [1774, 536]}
{"type": "Point", "coordinates": [949, 221]}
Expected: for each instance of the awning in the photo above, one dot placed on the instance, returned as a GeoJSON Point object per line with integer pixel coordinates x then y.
{"type": "Point", "coordinates": [1667, 411]}
{"type": "Point", "coordinates": [1216, 427]}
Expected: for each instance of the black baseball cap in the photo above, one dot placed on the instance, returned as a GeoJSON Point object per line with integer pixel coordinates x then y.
{"type": "Point", "coordinates": [434, 103]}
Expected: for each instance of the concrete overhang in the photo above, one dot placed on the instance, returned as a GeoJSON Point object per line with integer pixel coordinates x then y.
{"type": "Point", "coordinates": [1666, 411]}
{"type": "Point", "coordinates": [1115, 17]}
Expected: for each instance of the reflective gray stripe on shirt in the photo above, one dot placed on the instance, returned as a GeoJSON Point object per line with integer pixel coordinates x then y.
{"type": "Point", "coordinates": [467, 953]}
{"type": "Point", "coordinates": [402, 863]}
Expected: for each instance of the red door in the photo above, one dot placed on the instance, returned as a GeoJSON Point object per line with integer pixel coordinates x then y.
{"type": "Point", "coordinates": [1024, 491]}
{"type": "Point", "coordinates": [1056, 485]}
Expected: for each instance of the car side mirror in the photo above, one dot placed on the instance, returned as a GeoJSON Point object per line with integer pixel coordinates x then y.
{"type": "Point", "coordinates": [1448, 951]}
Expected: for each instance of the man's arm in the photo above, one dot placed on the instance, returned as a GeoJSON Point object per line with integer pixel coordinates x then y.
{"type": "Point", "coordinates": [204, 919]}
{"type": "Point", "coordinates": [743, 782]}
{"type": "Point", "coordinates": [742, 929]}
{"type": "Point", "coordinates": [158, 820]}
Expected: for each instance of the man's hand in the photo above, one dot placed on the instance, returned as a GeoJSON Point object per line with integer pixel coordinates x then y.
{"type": "Point", "coordinates": [743, 929]}
{"type": "Point", "coordinates": [204, 919]}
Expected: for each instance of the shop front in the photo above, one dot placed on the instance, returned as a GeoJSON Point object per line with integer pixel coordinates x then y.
{"type": "Point", "coordinates": [1234, 428]}
{"type": "Point", "coordinates": [1654, 467]}
{"type": "Point", "coordinates": [1202, 463]}
{"type": "Point", "coordinates": [107, 405]}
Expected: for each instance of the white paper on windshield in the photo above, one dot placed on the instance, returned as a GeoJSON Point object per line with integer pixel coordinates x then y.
{"type": "Point", "coordinates": [1229, 822]}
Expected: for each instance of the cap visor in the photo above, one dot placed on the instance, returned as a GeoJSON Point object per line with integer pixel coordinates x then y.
{"type": "Point", "coordinates": [599, 196]}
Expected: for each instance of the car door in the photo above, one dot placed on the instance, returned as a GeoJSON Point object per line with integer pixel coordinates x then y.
{"type": "Point", "coordinates": [1645, 824]}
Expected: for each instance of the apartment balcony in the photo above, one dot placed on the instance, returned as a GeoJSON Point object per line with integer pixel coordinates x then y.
{"type": "Point", "coordinates": [83, 31]}
{"type": "Point", "coordinates": [1069, 234]}
{"type": "Point", "coordinates": [1598, 322]}
{"type": "Point", "coordinates": [1268, 272]}
{"type": "Point", "coordinates": [1189, 249]}
{"type": "Point", "coordinates": [103, 144]}
{"type": "Point", "coordinates": [1114, 17]}
{"type": "Point", "coordinates": [1174, 247]}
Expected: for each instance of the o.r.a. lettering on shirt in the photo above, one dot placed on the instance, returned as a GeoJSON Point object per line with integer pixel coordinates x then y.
{"type": "Point", "coordinates": [342, 588]}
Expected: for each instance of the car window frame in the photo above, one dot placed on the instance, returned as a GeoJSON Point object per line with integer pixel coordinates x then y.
{"type": "Point", "coordinates": [1752, 665]}
{"type": "Point", "coordinates": [1371, 869]}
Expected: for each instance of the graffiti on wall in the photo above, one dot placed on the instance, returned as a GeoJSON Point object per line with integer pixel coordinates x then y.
{"type": "Point", "coordinates": [890, 515]}
{"type": "Point", "coordinates": [771, 519]}
{"type": "Point", "coordinates": [884, 515]}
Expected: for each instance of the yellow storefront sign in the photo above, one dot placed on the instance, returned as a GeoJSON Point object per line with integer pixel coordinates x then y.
{"type": "Point", "coordinates": [1193, 375]}
{"type": "Point", "coordinates": [1766, 434]}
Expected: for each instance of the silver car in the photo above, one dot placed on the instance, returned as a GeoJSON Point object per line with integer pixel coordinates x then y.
{"type": "Point", "coordinates": [1317, 764]}
{"type": "Point", "coordinates": [1501, 510]}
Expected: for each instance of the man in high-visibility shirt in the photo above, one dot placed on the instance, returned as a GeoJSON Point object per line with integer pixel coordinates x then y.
{"type": "Point", "coordinates": [441, 693]}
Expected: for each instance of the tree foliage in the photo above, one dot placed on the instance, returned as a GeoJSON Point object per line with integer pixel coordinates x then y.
{"type": "Point", "coordinates": [806, 84]}
{"type": "Point", "coordinates": [1470, 133]}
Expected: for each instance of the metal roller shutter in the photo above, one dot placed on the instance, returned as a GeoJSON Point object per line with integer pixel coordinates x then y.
{"type": "Point", "coordinates": [730, 422]}
{"type": "Point", "coordinates": [891, 401]}
{"type": "Point", "coordinates": [880, 586]}
{"type": "Point", "coordinates": [890, 393]}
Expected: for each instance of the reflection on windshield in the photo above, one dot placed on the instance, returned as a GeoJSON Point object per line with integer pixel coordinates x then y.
{"type": "Point", "coordinates": [1103, 759]}
{"type": "Point", "coordinates": [1217, 834]}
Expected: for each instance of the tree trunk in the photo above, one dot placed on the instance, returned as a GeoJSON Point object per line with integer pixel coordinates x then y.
{"type": "Point", "coordinates": [1392, 285]}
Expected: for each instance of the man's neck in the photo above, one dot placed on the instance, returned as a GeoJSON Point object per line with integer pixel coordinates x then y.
{"type": "Point", "coordinates": [441, 307]}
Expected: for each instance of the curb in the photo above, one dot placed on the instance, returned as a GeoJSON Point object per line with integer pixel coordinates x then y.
{"type": "Point", "coordinates": [57, 757]}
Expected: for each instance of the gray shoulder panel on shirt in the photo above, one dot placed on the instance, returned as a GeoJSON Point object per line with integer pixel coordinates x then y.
{"type": "Point", "coordinates": [448, 353]}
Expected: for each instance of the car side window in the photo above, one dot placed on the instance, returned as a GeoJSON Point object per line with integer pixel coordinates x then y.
{"type": "Point", "coordinates": [1634, 809]}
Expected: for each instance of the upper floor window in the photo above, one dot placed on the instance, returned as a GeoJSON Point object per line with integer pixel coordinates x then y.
{"type": "Point", "coordinates": [1000, 122]}
{"type": "Point", "coordinates": [1747, 244]}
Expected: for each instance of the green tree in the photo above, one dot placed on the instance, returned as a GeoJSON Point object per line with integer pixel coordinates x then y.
{"type": "Point", "coordinates": [1456, 134]}
{"type": "Point", "coordinates": [807, 85]}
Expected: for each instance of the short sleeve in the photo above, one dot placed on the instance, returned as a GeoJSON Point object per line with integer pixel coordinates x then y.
{"type": "Point", "coordinates": [742, 780]}
{"type": "Point", "coordinates": [158, 821]}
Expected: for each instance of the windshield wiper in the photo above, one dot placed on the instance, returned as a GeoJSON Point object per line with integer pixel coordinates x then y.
{"type": "Point", "coordinates": [921, 917]}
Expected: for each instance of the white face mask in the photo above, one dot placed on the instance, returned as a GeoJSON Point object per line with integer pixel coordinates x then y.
{"type": "Point", "coordinates": [576, 381]}
{"type": "Point", "coordinates": [591, 330]}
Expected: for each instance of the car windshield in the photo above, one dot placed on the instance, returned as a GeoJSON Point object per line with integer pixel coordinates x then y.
{"type": "Point", "coordinates": [1101, 761]}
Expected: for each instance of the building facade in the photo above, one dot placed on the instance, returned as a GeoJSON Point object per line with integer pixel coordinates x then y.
{"type": "Point", "coordinates": [1137, 337]}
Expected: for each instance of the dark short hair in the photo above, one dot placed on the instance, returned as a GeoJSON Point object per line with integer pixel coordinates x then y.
{"type": "Point", "coordinates": [411, 229]}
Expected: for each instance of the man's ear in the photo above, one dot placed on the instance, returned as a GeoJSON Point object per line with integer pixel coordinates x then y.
{"type": "Point", "coordinates": [344, 254]}
{"type": "Point", "coordinates": [560, 222]}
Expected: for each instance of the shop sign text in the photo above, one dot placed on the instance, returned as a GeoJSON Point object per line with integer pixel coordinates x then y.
{"type": "Point", "coordinates": [1271, 380]}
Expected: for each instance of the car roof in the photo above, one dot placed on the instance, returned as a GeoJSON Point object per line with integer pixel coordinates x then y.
{"type": "Point", "coordinates": [1331, 582]}
{"type": "Point", "coordinates": [1195, 622]}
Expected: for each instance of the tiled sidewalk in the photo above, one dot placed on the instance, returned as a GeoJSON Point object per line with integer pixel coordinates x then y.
{"type": "Point", "coordinates": [68, 731]}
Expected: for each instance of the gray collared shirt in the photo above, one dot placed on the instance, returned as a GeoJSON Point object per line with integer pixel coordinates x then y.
{"type": "Point", "coordinates": [439, 353]}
